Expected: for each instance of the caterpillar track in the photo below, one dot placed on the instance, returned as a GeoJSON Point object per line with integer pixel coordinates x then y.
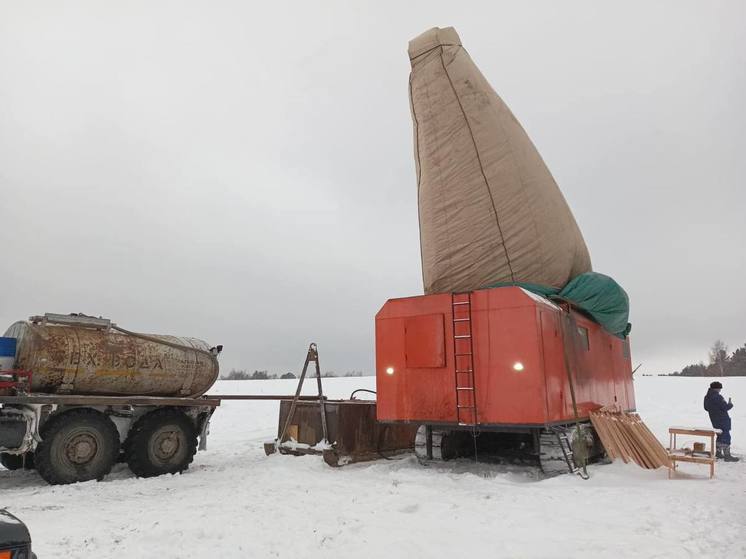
{"type": "Point", "coordinates": [561, 450]}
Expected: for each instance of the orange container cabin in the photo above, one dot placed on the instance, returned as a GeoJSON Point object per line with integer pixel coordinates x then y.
{"type": "Point", "coordinates": [495, 359]}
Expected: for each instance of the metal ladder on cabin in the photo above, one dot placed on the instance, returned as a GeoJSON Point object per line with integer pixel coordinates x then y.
{"type": "Point", "coordinates": [557, 454]}
{"type": "Point", "coordinates": [463, 351]}
{"type": "Point", "coordinates": [569, 455]}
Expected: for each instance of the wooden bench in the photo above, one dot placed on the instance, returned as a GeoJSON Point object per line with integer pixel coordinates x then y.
{"type": "Point", "coordinates": [683, 455]}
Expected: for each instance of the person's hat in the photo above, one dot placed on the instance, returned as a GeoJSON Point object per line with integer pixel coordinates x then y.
{"type": "Point", "coordinates": [715, 384]}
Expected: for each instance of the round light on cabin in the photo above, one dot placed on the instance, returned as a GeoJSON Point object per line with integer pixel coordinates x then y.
{"type": "Point", "coordinates": [389, 370]}
{"type": "Point", "coordinates": [517, 366]}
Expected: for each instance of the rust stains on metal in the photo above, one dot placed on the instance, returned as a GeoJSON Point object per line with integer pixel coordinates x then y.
{"type": "Point", "coordinates": [68, 359]}
{"type": "Point", "coordinates": [355, 433]}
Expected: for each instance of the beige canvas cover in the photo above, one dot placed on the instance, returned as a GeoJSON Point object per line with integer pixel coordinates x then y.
{"type": "Point", "coordinates": [490, 211]}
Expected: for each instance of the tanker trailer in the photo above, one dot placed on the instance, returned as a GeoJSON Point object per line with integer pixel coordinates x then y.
{"type": "Point", "coordinates": [82, 393]}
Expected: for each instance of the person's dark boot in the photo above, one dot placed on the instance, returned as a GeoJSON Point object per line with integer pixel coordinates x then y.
{"type": "Point", "coordinates": [728, 457]}
{"type": "Point", "coordinates": [719, 452]}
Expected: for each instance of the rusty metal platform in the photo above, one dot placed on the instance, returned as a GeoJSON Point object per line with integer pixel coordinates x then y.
{"type": "Point", "coordinates": [354, 434]}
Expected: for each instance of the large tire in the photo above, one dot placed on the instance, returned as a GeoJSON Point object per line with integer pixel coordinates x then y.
{"type": "Point", "coordinates": [161, 442]}
{"type": "Point", "coordinates": [17, 461]}
{"type": "Point", "coordinates": [11, 461]}
{"type": "Point", "coordinates": [79, 445]}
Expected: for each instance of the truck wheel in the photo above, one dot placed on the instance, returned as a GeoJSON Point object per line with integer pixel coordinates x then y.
{"type": "Point", "coordinates": [79, 445]}
{"type": "Point", "coordinates": [17, 461]}
{"type": "Point", "coordinates": [161, 442]}
{"type": "Point", "coordinates": [11, 461]}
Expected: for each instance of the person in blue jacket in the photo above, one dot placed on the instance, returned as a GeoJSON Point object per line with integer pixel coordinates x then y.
{"type": "Point", "coordinates": [718, 408]}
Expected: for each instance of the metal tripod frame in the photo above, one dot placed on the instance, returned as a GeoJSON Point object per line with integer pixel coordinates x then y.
{"type": "Point", "coordinates": [312, 355]}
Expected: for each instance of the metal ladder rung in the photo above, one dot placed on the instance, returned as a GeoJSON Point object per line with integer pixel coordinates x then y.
{"type": "Point", "coordinates": [566, 448]}
{"type": "Point", "coordinates": [463, 410]}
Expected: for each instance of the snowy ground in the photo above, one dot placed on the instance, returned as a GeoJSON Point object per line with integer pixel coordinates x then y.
{"type": "Point", "coordinates": [236, 502]}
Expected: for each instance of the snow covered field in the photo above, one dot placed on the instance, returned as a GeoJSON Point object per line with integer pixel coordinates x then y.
{"type": "Point", "coordinates": [236, 502]}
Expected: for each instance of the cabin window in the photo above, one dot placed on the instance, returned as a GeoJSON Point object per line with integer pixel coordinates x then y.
{"type": "Point", "coordinates": [625, 349]}
{"type": "Point", "coordinates": [584, 341]}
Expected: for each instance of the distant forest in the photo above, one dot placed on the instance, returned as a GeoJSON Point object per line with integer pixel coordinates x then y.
{"type": "Point", "coordinates": [722, 363]}
{"type": "Point", "coordinates": [240, 374]}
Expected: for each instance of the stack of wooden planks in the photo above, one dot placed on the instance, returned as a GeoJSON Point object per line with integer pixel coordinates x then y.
{"type": "Point", "coordinates": [625, 436]}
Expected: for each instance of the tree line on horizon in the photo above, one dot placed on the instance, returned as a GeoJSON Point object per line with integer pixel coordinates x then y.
{"type": "Point", "coordinates": [242, 374]}
{"type": "Point", "coordinates": [722, 363]}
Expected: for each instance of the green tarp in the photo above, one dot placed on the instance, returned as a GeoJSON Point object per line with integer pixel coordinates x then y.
{"type": "Point", "coordinates": [598, 295]}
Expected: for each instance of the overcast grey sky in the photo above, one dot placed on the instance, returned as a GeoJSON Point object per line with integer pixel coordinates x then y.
{"type": "Point", "coordinates": [243, 173]}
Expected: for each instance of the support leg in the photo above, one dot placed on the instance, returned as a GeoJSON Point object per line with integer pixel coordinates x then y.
{"type": "Point", "coordinates": [429, 442]}
{"type": "Point", "coordinates": [322, 404]}
{"type": "Point", "coordinates": [294, 403]}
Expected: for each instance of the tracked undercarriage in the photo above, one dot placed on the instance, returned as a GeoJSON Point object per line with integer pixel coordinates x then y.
{"type": "Point", "coordinates": [555, 450]}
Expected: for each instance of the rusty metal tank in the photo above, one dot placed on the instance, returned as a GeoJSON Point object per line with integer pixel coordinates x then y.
{"type": "Point", "coordinates": [83, 355]}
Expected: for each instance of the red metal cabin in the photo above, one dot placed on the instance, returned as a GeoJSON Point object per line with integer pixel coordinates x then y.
{"type": "Point", "coordinates": [494, 358]}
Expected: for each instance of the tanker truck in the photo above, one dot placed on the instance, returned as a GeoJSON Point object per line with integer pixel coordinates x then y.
{"type": "Point", "coordinates": [78, 394]}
